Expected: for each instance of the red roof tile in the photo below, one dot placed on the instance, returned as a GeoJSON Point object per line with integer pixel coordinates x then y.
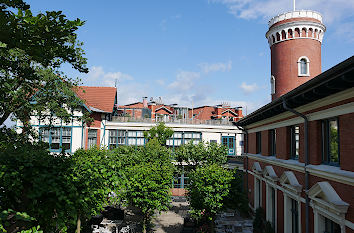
{"type": "Point", "coordinates": [101, 98]}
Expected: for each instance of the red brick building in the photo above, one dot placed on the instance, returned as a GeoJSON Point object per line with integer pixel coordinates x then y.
{"type": "Point", "coordinates": [160, 111]}
{"type": "Point", "coordinates": [299, 148]}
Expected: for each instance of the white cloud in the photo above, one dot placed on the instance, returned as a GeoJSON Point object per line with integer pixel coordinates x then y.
{"type": "Point", "coordinates": [249, 88]}
{"type": "Point", "coordinates": [213, 67]}
{"type": "Point", "coordinates": [161, 82]}
{"type": "Point", "coordinates": [184, 81]}
{"type": "Point", "coordinates": [98, 76]}
{"type": "Point", "coordinates": [332, 10]}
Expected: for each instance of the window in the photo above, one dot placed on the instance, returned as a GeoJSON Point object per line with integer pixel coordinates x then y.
{"type": "Point", "coordinates": [294, 216]}
{"type": "Point", "coordinates": [272, 85]}
{"type": "Point", "coordinates": [331, 227]}
{"type": "Point", "coordinates": [271, 206]}
{"type": "Point", "coordinates": [303, 66]}
{"type": "Point", "coordinates": [181, 180]}
{"type": "Point", "coordinates": [59, 138]}
{"type": "Point", "coordinates": [257, 193]}
{"type": "Point", "coordinates": [258, 143]}
{"type": "Point", "coordinates": [91, 138]}
{"type": "Point", "coordinates": [294, 141]}
{"type": "Point", "coordinates": [213, 141]}
{"type": "Point", "coordinates": [116, 138]}
{"type": "Point", "coordinates": [272, 138]}
{"type": "Point", "coordinates": [330, 142]}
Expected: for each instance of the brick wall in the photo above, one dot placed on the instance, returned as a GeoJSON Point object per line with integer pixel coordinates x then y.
{"type": "Point", "coordinates": [283, 143]}
{"type": "Point", "coordinates": [346, 144]}
{"type": "Point", "coordinates": [266, 142]}
{"type": "Point", "coordinates": [252, 144]}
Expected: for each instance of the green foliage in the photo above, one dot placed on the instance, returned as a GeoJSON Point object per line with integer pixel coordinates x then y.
{"type": "Point", "coordinates": [94, 173]}
{"type": "Point", "coordinates": [160, 131]}
{"type": "Point", "coordinates": [54, 190]}
{"type": "Point", "coordinates": [35, 183]}
{"type": "Point", "coordinates": [201, 154]}
{"type": "Point", "coordinates": [148, 173]}
{"type": "Point", "coordinates": [32, 50]}
{"type": "Point", "coordinates": [148, 188]}
{"type": "Point", "coordinates": [209, 185]}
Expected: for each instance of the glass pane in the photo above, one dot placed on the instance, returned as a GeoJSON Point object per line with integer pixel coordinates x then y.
{"type": "Point", "coordinates": [140, 141]}
{"type": "Point", "coordinates": [333, 141]}
{"type": "Point", "coordinates": [121, 133]}
{"type": "Point", "coordinates": [131, 133]}
{"type": "Point", "coordinates": [140, 134]}
{"type": "Point", "coordinates": [112, 132]}
{"type": "Point", "coordinates": [112, 140]}
{"type": "Point", "coordinates": [187, 135]}
{"type": "Point", "coordinates": [92, 133]}
{"type": "Point", "coordinates": [121, 141]}
{"type": "Point", "coordinates": [196, 135]}
{"type": "Point", "coordinates": [131, 141]}
{"type": "Point", "coordinates": [231, 143]}
{"type": "Point", "coordinates": [224, 141]}
{"type": "Point", "coordinates": [66, 131]}
{"type": "Point", "coordinates": [303, 66]}
{"type": "Point", "coordinates": [92, 142]}
{"type": "Point", "coordinates": [177, 135]}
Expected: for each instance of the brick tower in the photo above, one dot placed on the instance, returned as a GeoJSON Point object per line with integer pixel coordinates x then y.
{"type": "Point", "coordinates": [295, 43]}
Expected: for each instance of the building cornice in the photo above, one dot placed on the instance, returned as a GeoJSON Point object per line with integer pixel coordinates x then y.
{"type": "Point", "coordinates": [324, 171]}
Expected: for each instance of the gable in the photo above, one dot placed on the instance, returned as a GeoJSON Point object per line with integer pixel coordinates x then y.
{"type": "Point", "coordinates": [98, 99]}
{"type": "Point", "coordinates": [270, 173]}
{"type": "Point", "coordinates": [288, 180]}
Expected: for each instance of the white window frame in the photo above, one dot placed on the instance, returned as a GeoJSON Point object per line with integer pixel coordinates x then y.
{"type": "Point", "coordinates": [326, 203]}
{"type": "Point", "coordinates": [272, 85]}
{"type": "Point", "coordinates": [257, 200]}
{"type": "Point", "coordinates": [269, 210]}
{"type": "Point", "coordinates": [256, 168]}
{"type": "Point", "coordinates": [291, 190]}
{"type": "Point", "coordinates": [307, 66]}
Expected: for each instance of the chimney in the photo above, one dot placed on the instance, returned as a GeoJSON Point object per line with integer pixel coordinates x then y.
{"type": "Point", "coordinates": [145, 102]}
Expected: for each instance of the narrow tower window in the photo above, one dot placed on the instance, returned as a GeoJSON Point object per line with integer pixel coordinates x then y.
{"type": "Point", "coordinates": [304, 66]}
{"type": "Point", "coordinates": [272, 85]}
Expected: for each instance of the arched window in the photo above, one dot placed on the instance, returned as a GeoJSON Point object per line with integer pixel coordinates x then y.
{"type": "Point", "coordinates": [272, 85]}
{"type": "Point", "coordinates": [303, 66]}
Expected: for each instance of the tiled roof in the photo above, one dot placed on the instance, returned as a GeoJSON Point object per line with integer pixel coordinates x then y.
{"type": "Point", "coordinates": [203, 113]}
{"type": "Point", "coordinates": [98, 98]}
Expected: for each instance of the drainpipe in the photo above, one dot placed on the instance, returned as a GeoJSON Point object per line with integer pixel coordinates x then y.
{"type": "Point", "coordinates": [306, 162]}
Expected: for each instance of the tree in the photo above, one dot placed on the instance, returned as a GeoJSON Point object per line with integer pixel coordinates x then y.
{"type": "Point", "coordinates": [196, 155]}
{"type": "Point", "coordinates": [148, 173]}
{"type": "Point", "coordinates": [32, 50]}
{"type": "Point", "coordinates": [208, 187]}
{"type": "Point", "coordinates": [148, 188]}
{"type": "Point", "coordinates": [160, 131]}
{"type": "Point", "coordinates": [94, 173]}
{"type": "Point", "coordinates": [34, 183]}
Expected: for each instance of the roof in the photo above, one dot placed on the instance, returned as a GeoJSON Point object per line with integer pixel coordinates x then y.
{"type": "Point", "coordinates": [98, 99]}
{"type": "Point", "coordinates": [334, 80]}
{"type": "Point", "coordinates": [203, 113]}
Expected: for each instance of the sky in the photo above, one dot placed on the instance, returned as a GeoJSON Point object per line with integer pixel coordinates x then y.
{"type": "Point", "coordinates": [192, 52]}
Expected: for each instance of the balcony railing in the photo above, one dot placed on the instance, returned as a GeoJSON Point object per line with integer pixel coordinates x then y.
{"type": "Point", "coordinates": [172, 120]}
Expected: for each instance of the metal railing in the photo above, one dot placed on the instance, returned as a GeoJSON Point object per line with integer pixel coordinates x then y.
{"type": "Point", "coordinates": [172, 120]}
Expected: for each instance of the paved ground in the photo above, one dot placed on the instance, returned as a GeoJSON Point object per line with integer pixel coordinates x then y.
{"type": "Point", "coordinates": [171, 221]}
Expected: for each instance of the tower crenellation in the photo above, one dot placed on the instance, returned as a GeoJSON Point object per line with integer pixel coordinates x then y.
{"type": "Point", "coordinates": [295, 40]}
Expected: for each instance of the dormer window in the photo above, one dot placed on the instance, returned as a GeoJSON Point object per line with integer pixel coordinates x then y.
{"type": "Point", "coordinates": [303, 66]}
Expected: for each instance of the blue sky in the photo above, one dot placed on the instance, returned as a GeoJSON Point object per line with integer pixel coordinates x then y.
{"type": "Point", "coordinates": [200, 52]}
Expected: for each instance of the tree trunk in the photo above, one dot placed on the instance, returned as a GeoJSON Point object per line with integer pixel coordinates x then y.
{"type": "Point", "coordinates": [78, 224]}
